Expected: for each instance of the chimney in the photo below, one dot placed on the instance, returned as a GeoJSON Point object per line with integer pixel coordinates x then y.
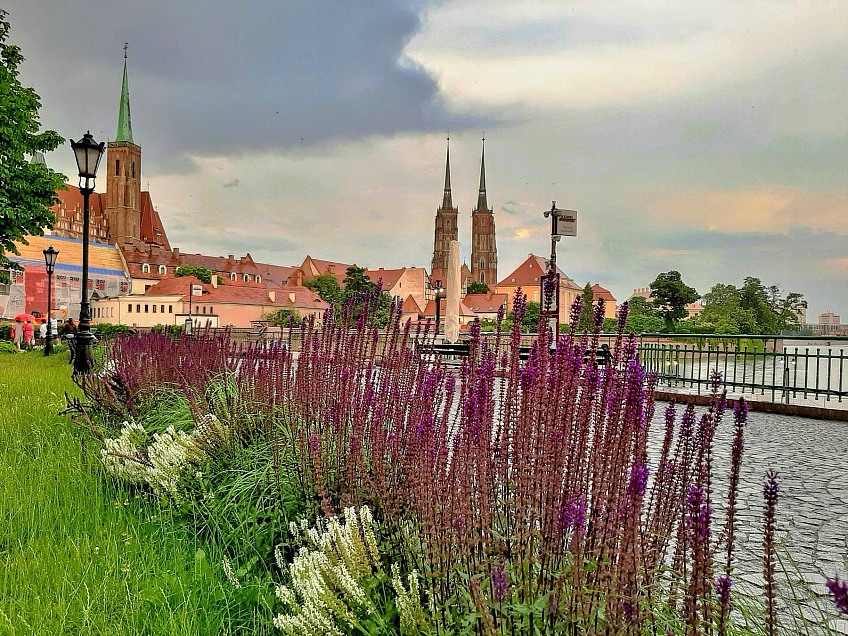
{"type": "Point", "coordinates": [272, 295]}
{"type": "Point", "coordinates": [214, 281]}
{"type": "Point", "coordinates": [231, 259]}
{"type": "Point", "coordinates": [176, 252]}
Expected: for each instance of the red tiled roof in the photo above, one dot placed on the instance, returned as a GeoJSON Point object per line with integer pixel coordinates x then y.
{"type": "Point", "coordinates": [529, 272]}
{"type": "Point", "coordinates": [600, 292]}
{"type": "Point", "coordinates": [484, 303]}
{"type": "Point", "coordinates": [152, 229]}
{"type": "Point", "coordinates": [71, 199]}
{"type": "Point", "coordinates": [390, 277]}
{"type": "Point", "coordinates": [410, 306]}
{"type": "Point", "coordinates": [232, 294]}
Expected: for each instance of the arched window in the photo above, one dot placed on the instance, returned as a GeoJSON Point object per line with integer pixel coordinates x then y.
{"type": "Point", "coordinates": [245, 278]}
{"type": "Point", "coordinates": [117, 167]}
{"type": "Point", "coordinates": [232, 276]}
{"type": "Point", "coordinates": [145, 269]}
{"type": "Point", "coordinates": [482, 277]}
{"type": "Point", "coordinates": [163, 270]}
{"type": "Point", "coordinates": [258, 278]}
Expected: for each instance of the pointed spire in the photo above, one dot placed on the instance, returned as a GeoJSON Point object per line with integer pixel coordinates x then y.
{"type": "Point", "coordinates": [124, 121]}
{"type": "Point", "coordinates": [447, 201]}
{"type": "Point", "coordinates": [482, 204]}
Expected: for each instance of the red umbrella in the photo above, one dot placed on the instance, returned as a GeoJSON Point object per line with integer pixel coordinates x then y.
{"type": "Point", "coordinates": [24, 317]}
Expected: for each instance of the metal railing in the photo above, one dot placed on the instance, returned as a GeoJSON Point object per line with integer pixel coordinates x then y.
{"type": "Point", "coordinates": [780, 368]}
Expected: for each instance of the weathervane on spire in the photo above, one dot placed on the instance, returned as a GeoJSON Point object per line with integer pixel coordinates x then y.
{"type": "Point", "coordinates": [126, 46]}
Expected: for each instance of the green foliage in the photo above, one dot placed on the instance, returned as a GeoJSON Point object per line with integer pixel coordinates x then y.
{"type": "Point", "coordinates": [530, 321]}
{"type": "Point", "coordinates": [476, 287]}
{"type": "Point", "coordinates": [283, 317]}
{"type": "Point", "coordinates": [7, 346]}
{"type": "Point", "coordinates": [109, 330]}
{"type": "Point", "coordinates": [751, 309]}
{"type": "Point", "coordinates": [327, 288]}
{"type": "Point", "coordinates": [586, 320]}
{"type": "Point", "coordinates": [80, 555]}
{"type": "Point", "coordinates": [671, 295]}
{"type": "Point", "coordinates": [610, 325]}
{"type": "Point", "coordinates": [175, 331]}
{"type": "Point", "coordinates": [27, 190]}
{"type": "Point", "coordinates": [639, 306]}
{"type": "Point", "coordinates": [203, 274]}
{"type": "Point", "coordinates": [5, 332]}
{"type": "Point", "coordinates": [643, 323]}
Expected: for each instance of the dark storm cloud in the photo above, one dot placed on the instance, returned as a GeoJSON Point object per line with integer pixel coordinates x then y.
{"type": "Point", "coordinates": [219, 78]}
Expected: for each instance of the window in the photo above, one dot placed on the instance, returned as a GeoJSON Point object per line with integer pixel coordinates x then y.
{"type": "Point", "coordinates": [170, 309]}
{"type": "Point", "coordinates": [204, 309]}
{"type": "Point", "coordinates": [124, 287]}
{"type": "Point", "coordinates": [245, 277]}
{"type": "Point", "coordinates": [117, 167]}
{"type": "Point", "coordinates": [482, 265]}
{"type": "Point", "coordinates": [19, 278]}
{"type": "Point", "coordinates": [258, 278]}
{"type": "Point", "coordinates": [138, 309]}
{"type": "Point", "coordinates": [163, 270]}
{"type": "Point", "coordinates": [482, 277]}
{"type": "Point", "coordinates": [154, 309]}
{"type": "Point", "coordinates": [146, 287]}
{"type": "Point", "coordinates": [233, 276]}
{"type": "Point", "coordinates": [129, 308]}
{"type": "Point", "coordinates": [101, 284]}
{"type": "Point", "coordinates": [211, 310]}
{"type": "Point", "coordinates": [161, 309]}
{"type": "Point", "coordinates": [145, 269]}
{"type": "Point", "coordinates": [61, 281]}
{"type": "Point", "coordinates": [90, 284]}
{"type": "Point", "coordinates": [133, 169]}
{"type": "Point", "coordinates": [145, 308]}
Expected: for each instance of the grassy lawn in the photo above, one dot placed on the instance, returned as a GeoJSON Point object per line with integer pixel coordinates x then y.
{"type": "Point", "coordinates": [79, 555]}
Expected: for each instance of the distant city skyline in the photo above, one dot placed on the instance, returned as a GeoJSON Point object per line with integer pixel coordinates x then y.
{"type": "Point", "coordinates": [710, 139]}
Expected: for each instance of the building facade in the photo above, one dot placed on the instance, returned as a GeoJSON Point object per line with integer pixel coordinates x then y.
{"type": "Point", "coordinates": [447, 228]}
{"type": "Point", "coordinates": [528, 277]}
{"type": "Point", "coordinates": [484, 250]}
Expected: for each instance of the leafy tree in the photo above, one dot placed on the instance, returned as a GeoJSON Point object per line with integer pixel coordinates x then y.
{"type": "Point", "coordinates": [476, 287]}
{"type": "Point", "coordinates": [610, 325]}
{"type": "Point", "coordinates": [671, 295]}
{"type": "Point", "coordinates": [639, 305]}
{"type": "Point", "coordinates": [586, 320]}
{"type": "Point", "coordinates": [27, 190]}
{"type": "Point", "coordinates": [327, 288]}
{"type": "Point", "coordinates": [202, 274]}
{"type": "Point", "coordinates": [283, 317]}
{"type": "Point", "coordinates": [356, 281]}
{"type": "Point", "coordinates": [751, 309]}
{"type": "Point", "coordinates": [643, 323]}
{"type": "Point", "coordinates": [530, 321]}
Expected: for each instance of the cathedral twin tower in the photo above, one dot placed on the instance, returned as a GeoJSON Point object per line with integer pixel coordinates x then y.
{"type": "Point", "coordinates": [484, 252]}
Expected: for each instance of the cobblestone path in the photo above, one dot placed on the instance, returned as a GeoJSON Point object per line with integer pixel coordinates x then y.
{"type": "Point", "coordinates": [811, 457]}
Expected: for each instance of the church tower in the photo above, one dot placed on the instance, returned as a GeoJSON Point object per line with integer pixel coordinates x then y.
{"type": "Point", "coordinates": [446, 229]}
{"type": "Point", "coordinates": [123, 176]}
{"type": "Point", "coordinates": [484, 251]}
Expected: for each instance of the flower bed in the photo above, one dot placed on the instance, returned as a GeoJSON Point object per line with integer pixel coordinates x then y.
{"type": "Point", "coordinates": [385, 493]}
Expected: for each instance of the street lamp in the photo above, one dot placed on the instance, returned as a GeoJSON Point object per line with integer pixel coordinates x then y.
{"type": "Point", "coordinates": [88, 154]}
{"type": "Point", "coordinates": [563, 223]}
{"type": "Point", "coordinates": [440, 294]}
{"type": "Point", "coordinates": [49, 260]}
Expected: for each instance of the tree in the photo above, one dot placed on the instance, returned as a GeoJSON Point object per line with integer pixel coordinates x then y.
{"type": "Point", "coordinates": [532, 313]}
{"type": "Point", "coordinates": [283, 317]}
{"type": "Point", "coordinates": [639, 306]}
{"type": "Point", "coordinates": [643, 323]}
{"type": "Point", "coordinates": [327, 288]}
{"type": "Point", "coordinates": [671, 295]}
{"type": "Point", "coordinates": [586, 322]}
{"type": "Point", "coordinates": [475, 287]}
{"type": "Point", "coordinates": [356, 281]}
{"type": "Point", "coordinates": [27, 189]}
{"type": "Point", "coordinates": [200, 273]}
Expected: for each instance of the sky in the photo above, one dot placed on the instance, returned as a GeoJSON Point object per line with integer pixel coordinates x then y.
{"type": "Point", "coordinates": [710, 138]}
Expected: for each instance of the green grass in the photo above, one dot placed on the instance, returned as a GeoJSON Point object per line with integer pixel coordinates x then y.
{"type": "Point", "coordinates": [79, 555]}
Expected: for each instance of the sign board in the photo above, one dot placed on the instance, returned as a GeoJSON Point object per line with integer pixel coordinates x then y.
{"type": "Point", "coordinates": [566, 223]}
{"type": "Point", "coordinates": [196, 290]}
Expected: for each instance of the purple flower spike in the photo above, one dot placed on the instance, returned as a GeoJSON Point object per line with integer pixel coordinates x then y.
{"type": "Point", "coordinates": [500, 586]}
{"type": "Point", "coordinates": [723, 585]}
{"type": "Point", "coordinates": [638, 480]}
{"type": "Point", "coordinates": [839, 590]}
{"type": "Point", "coordinates": [740, 411]}
{"type": "Point", "coordinates": [574, 312]}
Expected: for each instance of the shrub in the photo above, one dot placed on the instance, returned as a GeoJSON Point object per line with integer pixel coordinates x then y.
{"type": "Point", "coordinates": [7, 347]}
{"type": "Point", "coordinates": [6, 332]}
{"type": "Point", "coordinates": [109, 330]}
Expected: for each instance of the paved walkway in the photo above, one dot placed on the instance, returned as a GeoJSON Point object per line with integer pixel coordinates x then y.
{"type": "Point", "coordinates": [811, 457]}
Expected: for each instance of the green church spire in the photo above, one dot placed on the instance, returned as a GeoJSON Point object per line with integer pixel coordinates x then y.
{"type": "Point", "coordinates": [124, 121]}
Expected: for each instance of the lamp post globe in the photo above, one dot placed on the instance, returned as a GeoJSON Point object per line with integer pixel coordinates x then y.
{"type": "Point", "coordinates": [88, 154]}
{"type": "Point", "coordinates": [49, 261]}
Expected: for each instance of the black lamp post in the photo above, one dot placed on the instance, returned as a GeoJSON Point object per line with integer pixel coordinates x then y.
{"type": "Point", "coordinates": [49, 260]}
{"type": "Point", "coordinates": [88, 154]}
{"type": "Point", "coordinates": [440, 293]}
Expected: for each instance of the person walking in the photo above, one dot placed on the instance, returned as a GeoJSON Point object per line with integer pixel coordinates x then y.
{"type": "Point", "coordinates": [18, 334]}
{"type": "Point", "coordinates": [42, 332]}
{"type": "Point", "coordinates": [29, 339]}
{"type": "Point", "coordinates": [70, 335]}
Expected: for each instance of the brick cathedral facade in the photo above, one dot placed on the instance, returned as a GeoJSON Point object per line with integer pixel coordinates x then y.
{"type": "Point", "coordinates": [484, 251]}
